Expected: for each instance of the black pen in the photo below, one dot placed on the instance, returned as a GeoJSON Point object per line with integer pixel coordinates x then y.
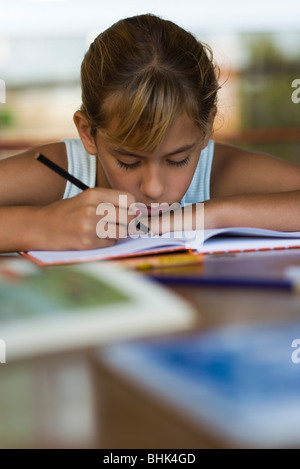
{"type": "Point", "coordinates": [62, 172]}
{"type": "Point", "coordinates": [43, 159]}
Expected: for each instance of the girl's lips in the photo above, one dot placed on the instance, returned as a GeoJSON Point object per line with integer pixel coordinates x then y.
{"type": "Point", "coordinates": [155, 211]}
{"type": "Point", "coordinates": [152, 211]}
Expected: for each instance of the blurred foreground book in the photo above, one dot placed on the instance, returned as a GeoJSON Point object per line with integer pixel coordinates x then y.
{"type": "Point", "coordinates": [235, 387]}
{"type": "Point", "coordinates": [54, 309]}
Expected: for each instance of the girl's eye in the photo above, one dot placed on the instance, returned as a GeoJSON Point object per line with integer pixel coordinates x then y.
{"type": "Point", "coordinates": [126, 165]}
{"type": "Point", "coordinates": [179, 163]}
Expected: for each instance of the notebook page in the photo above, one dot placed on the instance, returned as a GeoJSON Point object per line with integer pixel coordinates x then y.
{"type": "Point", "coordinates": [245, 243]}
{"type": "Point", "coordinates": [142, 244]}
{"type": "Point", "coordinates": [249, 232]}
{"type": "Point", "coordinates": [204, 241]}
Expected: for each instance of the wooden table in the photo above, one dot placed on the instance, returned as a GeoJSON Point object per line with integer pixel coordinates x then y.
{"type": "Point", "coordinates": [133, 418]}
{"type": "Point", "coordinates": [76, 400]}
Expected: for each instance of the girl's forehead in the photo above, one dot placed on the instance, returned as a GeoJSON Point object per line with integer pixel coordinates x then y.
{"type": "Point", "coordinates": [183, 136]}
{"type": "Point", "coordinates": [183, 124]}
{"type": "Point", "coordinates": [119, 105]}
{"type": "Point", "coordinates": [140, 128]}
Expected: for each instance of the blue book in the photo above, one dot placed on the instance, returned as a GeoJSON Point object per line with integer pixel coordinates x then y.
{"type": "Point", "coordinates": [242, 382]}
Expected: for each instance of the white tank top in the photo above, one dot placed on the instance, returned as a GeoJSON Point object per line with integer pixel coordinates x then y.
{"type": "Point", "coordinates": [83, 166]}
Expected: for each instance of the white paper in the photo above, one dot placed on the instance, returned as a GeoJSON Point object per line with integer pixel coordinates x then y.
{"type": "Point", "coordinates": [224, 239]}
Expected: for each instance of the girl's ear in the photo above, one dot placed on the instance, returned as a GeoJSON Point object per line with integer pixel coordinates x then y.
{"type": "Point", "coordinates": [84, 132]}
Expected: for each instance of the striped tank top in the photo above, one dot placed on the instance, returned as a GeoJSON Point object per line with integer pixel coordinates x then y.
{"type": "Point", "coordinates": [82, 165]}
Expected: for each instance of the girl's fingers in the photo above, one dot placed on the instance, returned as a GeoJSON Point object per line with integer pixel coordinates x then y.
{"type": "Point", "coordinates": [110, 219]}
{"type": "Point", "coordinates": [114, 222]}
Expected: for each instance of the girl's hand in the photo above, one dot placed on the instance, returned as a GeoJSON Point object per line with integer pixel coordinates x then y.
{"type": "Point", "coordinates": [95, 218]}
{"type": "Point", "coordinates": [168, 221]}
{"type": "Point", "coordinates": [179, 219]}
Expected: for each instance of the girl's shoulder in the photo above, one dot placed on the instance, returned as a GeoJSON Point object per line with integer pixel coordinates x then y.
{"type": "Point", "coordinates": [238, 171]}
{"type": "Point", "coordinates": [25, 180]}
{"type": "Point", "coordinates": [223, 169]}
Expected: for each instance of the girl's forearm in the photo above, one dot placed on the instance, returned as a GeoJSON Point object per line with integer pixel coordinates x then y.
{"type": "Point", "coordinates": [275, 211]}
{"type": "Point", "coordinates": [18, 228]}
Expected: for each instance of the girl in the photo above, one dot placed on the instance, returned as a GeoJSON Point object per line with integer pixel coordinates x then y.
{"type": "Point", "coordinates": [149, 99]}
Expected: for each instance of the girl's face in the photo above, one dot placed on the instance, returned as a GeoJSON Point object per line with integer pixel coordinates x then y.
{"type": "Point", "coordinates": [163, 176]}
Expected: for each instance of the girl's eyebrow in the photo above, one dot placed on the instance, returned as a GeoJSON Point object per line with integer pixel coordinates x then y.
{"type": "Point", "coordinates": [182, 149]}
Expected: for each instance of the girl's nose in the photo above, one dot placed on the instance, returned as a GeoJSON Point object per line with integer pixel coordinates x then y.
{"type": "Point", "coordinates": [152, 185]}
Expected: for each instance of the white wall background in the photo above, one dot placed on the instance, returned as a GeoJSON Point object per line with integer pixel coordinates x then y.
{"type": "Point", "coordinates": [42, 44]}
{"type": "Point", "coordinates": [45, 40]}
{"type": "Point", "coordinates": [72, 17]}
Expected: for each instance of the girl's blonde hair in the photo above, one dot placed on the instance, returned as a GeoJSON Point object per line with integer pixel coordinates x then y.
{"type": "Point", "coordinates": [143, 73]}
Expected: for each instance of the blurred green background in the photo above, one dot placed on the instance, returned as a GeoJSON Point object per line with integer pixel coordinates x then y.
{"type": "Point", "coordinates": [256, 44]}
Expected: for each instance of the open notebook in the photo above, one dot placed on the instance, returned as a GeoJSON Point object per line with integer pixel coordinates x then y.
{"type": "Point", "coordinates": [207, 241]}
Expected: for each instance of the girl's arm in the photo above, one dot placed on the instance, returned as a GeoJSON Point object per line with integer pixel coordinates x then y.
{"type": "Point", "coordinates": [24, 186]}
{"type": "Point", "coordinates": [249, 189]}
{"type": "Point", "coordinates": [23, 180]}
{"type": "Point", "coordinates": [253, 189]}
{"type": "Point", "coordinates": [275, 211]}
{"type": "Point", "coordinates": [32, 214]}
